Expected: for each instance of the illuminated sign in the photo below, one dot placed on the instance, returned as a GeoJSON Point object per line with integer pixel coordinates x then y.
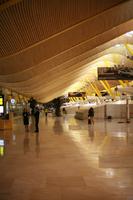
{"type": "Point", "coordinates": [13, 101]}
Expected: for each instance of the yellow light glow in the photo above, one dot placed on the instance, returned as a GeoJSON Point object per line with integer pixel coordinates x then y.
{"type": "Point", "coordinates": [1, 151]}
{"type": "Point", "coordinates": [1, 101]}
{"type": "Point", "coordinates": [109, 173]}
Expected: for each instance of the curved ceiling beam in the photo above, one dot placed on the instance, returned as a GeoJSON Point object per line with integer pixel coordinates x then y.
{"type": "Point", "coordinates": [30, 73]}
{"type": "Point", "coordinates": [38, 84]}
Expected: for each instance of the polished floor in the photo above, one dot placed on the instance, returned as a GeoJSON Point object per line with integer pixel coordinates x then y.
{"type": "Point", "coordinates": [67, 160]}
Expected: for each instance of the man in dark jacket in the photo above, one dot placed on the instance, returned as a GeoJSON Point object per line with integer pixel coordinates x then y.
{"type": "Point", "coordinates": [36, 114]}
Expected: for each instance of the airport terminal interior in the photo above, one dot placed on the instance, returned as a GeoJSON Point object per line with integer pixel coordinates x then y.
{"type": "Point", "coordinates": [66, 100]}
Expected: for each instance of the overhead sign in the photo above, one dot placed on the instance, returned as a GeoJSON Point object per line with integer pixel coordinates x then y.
{"type": "Point", "coordinates": [115, 73]}
{"type": "Point", "coordinates": [76, 94]}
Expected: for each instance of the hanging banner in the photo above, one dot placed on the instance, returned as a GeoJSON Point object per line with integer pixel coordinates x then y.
{"type": "Point", "coordinates": [115, 73]}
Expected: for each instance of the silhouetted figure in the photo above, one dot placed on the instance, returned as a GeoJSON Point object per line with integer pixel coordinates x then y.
{"type": "Point", "coordinates": [26, 119]}
{"type": "Point", "coordinates": [78, 107]}
{"type": "Point", "coordinates": [91, 116]}
{"type": "Point", "coordinates": [36, 114]}
{"type": "Point", "coordinates": [46, 112]}
{"type": "Point", "coordinates": [64, 111]}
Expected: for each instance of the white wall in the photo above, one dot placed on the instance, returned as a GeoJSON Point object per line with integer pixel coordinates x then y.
{"type": "Point", "coordinates": [118, 110]}
{"type": "Point", "coordinates": [99, 112]}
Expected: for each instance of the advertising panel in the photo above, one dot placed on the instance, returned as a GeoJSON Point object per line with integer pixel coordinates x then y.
{"type": "Point", "coordinates": [115, 73]}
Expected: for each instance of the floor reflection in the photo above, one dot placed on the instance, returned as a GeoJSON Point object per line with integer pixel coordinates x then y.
{"type": "Point", "coordinates": [46, 120]}
{"type": "Point", "coordinates": [2, 147]}
{"type": "Point", "coordinates": [26, 143]}
{"type": "Point", "coordinates": [91, 132]}
{"type": "Point", "coordinates": [6, 135]}
{"type": "Point", "coordinates": [57, 128]}
{"type": "Point", "coordinates": [116, 150]}
{"type": "Point", "coordinates": [37, 148]}
{"type": "Point", "coordinates": [5, 138]}
{"type": "Point", "coordinates": [67, 159]}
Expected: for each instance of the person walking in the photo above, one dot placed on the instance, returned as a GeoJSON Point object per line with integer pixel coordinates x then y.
{"type": "Point", "coordinates": [26, 119]}
{"type": "Point", "coordinates": [91, 116]}
{"type": "Point", "coordinates": [36, 115]}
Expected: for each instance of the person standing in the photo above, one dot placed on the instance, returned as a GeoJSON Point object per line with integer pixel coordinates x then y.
{"type": "Point", "coordinates": [36, 114]}
{"type": "Point", "coordinates": [64, 111]}
{"type": "Point", "coordinates": [26, 119]}
{"type": "Point", "coordinates": [91, 116]}
{"type": "Point", "coordinates": [46, 112]}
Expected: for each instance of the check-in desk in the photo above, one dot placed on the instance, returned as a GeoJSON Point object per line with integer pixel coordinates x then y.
{"type": "Point", "coordinates": [5, 124]}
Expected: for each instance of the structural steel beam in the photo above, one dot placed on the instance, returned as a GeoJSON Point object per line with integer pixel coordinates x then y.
{"type": "Point", "coordinates": [96, 90]}
{"type": "Point", "coordinates": [107, 88]}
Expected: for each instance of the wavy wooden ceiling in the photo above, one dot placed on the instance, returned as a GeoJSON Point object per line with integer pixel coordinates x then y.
{"type": "Point", "coordinates": [46, 45]}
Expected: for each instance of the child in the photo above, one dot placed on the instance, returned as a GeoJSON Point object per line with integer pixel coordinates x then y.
{"type": "Point", "coordinates": [26, 119]}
